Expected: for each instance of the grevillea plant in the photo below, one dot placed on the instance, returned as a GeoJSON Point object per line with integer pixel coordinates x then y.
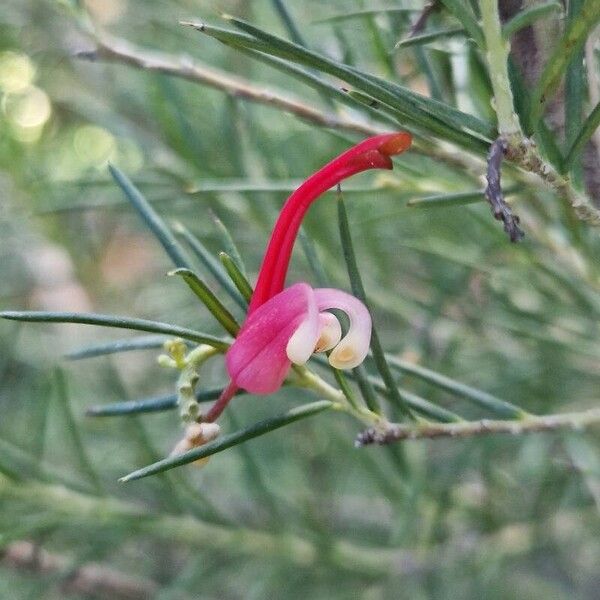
{"type": "Point", "coordinates": [432, 336]}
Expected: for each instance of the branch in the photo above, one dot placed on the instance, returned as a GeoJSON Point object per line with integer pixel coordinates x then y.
{"type": "Point", "coordinates": [524, 153]}
{"type": "Point", "coordinates": [519, 149]}
{"type": "Point", "coordinates": [497, 57]}
{"type": "Point", "coordinates": [91, 580]}
{"type": "Point", "coordinates": [530, 424]}
{"type": "Point", "coordinates": [120, 51]}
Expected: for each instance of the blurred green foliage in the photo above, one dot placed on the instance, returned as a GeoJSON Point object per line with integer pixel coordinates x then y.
{"type": "Point", "coordinates": [300, 512]}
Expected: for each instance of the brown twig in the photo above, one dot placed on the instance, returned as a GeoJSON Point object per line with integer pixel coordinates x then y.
{"type": "Point", "coordinates": [119, 51]}
{"type": "Point", "coordinates": [91, 580]}
{"type": "Point", "coordinates": [530, 424]}
{"type": "Point", "coordinates": [493, 191]}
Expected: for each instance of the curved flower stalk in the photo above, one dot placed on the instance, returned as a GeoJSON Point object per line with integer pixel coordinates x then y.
{"type": "Point", "coordinates": [285, 327]}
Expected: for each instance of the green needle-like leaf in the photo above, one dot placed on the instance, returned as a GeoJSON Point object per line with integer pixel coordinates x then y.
{"type": "Point", "coordinates": [367, 12]}
{"type": "Point", "coordinates": [273, 186]}
{"type": "Point", "coordinates": [146, 342]}
{"type": "Point", "coordinates": [212, 303]}
{"type": "Point", "coordinates": [575, 96]}
{"type": "Point", "coordinates": [133, 407]}
{"type": "Point", "coordinates": [465, 15]}
{"type": "Point", "coordinates": [429, 36]}
{"type": "Point", "coordinates": [238, 278]}
{"type": "Point", "coordinates": [212, 264]}
{"type": "Point", "coordinates": [152, 219]}
{"type": "Point", "coordinates": [359, 291]}
{"type": "Point", "coordinates": [117, 322]}
{"type": "Point", "coordinates": [527, 16]}
{"type": "Point", "coordinates": [457, 199]}
{"type": "Point", "coordinates": [150, 405]}
{"type": "Point", "coordinates": [289, 22]}
{"type": "Point", "coordinates": [419, 405]}
{"type": "Point", "coordinates": [62, 395]}
{"type": "Point", "coordinates": [228, 243]}
{"type": "Point", "coordinates": [495, 405]}
{"type": "Point", "coordinates": [232, 439]}
{"type": "Point", "coordinates": [583, 137]}
{"type": "Point", "coordinates": [430, 115]}
{"type": "Point", "coordinates": [571, 43]}
{"type": "Point", "coordinates": [366, 389]}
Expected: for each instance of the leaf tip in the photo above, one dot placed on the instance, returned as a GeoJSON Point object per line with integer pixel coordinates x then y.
{"type": "Point", "coordinates": [195, 24]}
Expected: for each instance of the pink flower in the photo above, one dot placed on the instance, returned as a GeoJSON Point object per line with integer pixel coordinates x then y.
{"type": "Point", "coordinates": [287, 326]}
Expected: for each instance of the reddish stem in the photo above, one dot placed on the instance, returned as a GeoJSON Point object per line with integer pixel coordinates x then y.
{"type": "Point", "coordinates": [219, 406]}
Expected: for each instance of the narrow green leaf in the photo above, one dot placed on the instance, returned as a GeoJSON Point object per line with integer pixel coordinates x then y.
{"type": "Point", "coordinates": [569, 45]}
{"type": "Point", "coordinates": [495, 405]}
{"type": "Point", "coordinates": [429, 36]}
{"type": "Point", "coordinates": [150, 405]}
{"type": "Point", "coordinates": [420, 406]}
{"type": "Point", "coordinates": [457, 199]}
{"type": "Point", "coordinates": [310, 251]}
{"type": "Point", "coordinates": [432, 116]}
{"type": "Point", "coordinates": [146, 342]}
{"type": "Point", "coordinates": [465, 15]}
{"type": "Point", "coordinates": [38, 420]}
{"type": "Point", "coordinates": [238, 278]}
{"type": "Point", "coordinates": [368, 12]}
{"type": "Point", "coordinates": [228, 243]}
{"type": "Point", "coordinates": [366, 389]}
{"type": "Point", "coordinates": [547, 141]}
{"type": "Point", "coordinates": [575, 95]}
{"type": "Point", "coordinates": [527, 16]}
{"type": "Point", "coordinates": [212, 264]}
{"type": "Point", "coordinates": [133, 407]}
{"type": "Point", "coordinates": [587, 130]}
{"type": "Point", "coordinates": [380, 44]}
{"type": "Point", "coordinates": [274, 186]}
{"type": "Point", "coordinates": [342, 382]}
{"type": "Point", "coordinates": [289, 22]}
{"type": "Point", "coordinates": [427, 409]}
{"type": "Point", "coordinates": [457, 120]}
{"type": "Point", "coordinates": [151, 218]}
{"type": "Point", "coordinates": [62, 395]}
{"type": "Point", "coordinates": [117, 322]}
{"type": "Point", "coordinates": [424, 62]}
{"type": "Point", "coordinates": [316, 83]}
{"type": "Point", "coordinates": [359, 291]}
{"type": "Point", "coordinates": [212, 303]}
{"type": "Point", "coordinates": [232, 439]}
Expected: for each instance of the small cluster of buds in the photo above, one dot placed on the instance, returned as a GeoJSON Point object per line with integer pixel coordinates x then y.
{"type": "Point", "coordinates": [197, 434]}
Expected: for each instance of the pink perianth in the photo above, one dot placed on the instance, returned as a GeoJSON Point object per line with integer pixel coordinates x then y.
{"type": "Point", "coordinates": [372, 153]}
